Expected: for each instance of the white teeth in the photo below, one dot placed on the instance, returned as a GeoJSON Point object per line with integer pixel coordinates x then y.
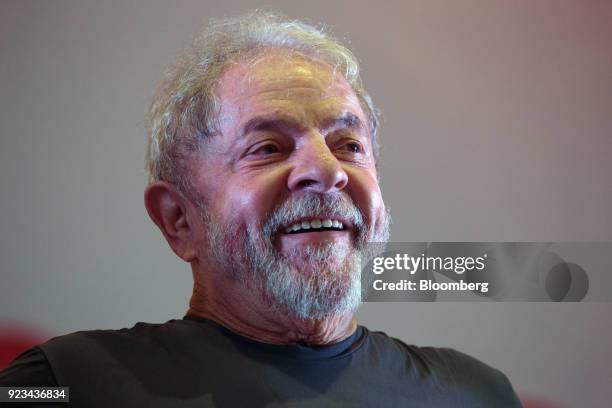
{"type": "Point", "coordinates": [314, 224]}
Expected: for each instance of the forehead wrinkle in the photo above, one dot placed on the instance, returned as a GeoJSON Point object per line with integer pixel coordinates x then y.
{"type": "Point", "coordinates": [308, 94]}
{"type": "Point", "coordinates": [323, 122]}
{"type": "Point", "coordinates": [308, 99]}
{"type": "Point", "coordinates": [286, 93]}
{"type": "Point", "coordinates": [297, 71]}
{"type": "Point", "coordinates": [298, 86]}
{"type": "Point", "coordinates": [294, 68]}
{"type": "Point", "coordinates": [322, 113]}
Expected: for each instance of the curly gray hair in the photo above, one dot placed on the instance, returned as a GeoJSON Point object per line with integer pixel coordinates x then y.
{"type": "Point", "coordinates": [184, 109]}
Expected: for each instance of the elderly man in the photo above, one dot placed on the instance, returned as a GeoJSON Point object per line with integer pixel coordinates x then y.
{"type": "Point", "coordinates": [262, 159]}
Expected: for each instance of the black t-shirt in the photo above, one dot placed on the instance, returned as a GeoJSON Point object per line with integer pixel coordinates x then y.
{"type": "Point", "coordinates": [196, 362]}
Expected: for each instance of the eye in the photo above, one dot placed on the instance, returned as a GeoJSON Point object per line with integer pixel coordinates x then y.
{"type": "Point", "coordinates": [353, 147]}
{"type": "Point", "coordinates": [264, 149]}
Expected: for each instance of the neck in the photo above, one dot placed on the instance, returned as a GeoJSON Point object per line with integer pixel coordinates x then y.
{"type": "Point", "coordinates": [242, 314]}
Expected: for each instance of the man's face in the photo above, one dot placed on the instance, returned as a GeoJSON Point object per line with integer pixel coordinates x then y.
{"type": "Point", "coordinates": [288, 191]}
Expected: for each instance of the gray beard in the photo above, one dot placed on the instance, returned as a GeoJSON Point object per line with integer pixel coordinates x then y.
{"type": "Point", "coordinates": [314, 282]}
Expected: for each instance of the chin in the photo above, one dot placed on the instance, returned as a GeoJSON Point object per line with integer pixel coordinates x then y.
{"type": "Point", "coordinates": [315, 289]}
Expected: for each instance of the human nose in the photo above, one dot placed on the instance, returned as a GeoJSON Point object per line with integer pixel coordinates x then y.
{"type": "Point", "coordinates": [316, 169]}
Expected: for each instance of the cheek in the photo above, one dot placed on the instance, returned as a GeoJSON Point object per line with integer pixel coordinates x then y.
{"type": "Point", "coordinates": [365, 192]}
{"type": "Point", "coordinates": [247, 200]}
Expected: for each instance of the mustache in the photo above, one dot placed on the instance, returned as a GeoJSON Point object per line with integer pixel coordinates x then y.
{"type": "Point", "coordinates": [314, 205]}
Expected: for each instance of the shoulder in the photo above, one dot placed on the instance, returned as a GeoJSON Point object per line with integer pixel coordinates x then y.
{"type": "Point", "coordinates": [30, 368]}
{"type": "Point", "coordinates": [141, 347]}
{"type": "Point", "coordinates": [119, 365]}
{"type": "Point", "coordinates": [139, 335]}
{"type": "Point", "coordinates": [472, 382]}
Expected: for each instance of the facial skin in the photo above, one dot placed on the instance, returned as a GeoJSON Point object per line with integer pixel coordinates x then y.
{"type": "Point", "coordinates": [293, 146]}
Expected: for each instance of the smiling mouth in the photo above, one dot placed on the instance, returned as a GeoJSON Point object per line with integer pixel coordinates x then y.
{"type": "Point", "coordinates": [317, 225]}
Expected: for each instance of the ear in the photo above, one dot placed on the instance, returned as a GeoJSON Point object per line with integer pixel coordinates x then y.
{"type": "Point", "coordinates": [167, 207]}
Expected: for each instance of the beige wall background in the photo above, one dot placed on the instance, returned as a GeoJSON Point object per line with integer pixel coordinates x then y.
{"type": "Point", "coordinates": [497, 125]}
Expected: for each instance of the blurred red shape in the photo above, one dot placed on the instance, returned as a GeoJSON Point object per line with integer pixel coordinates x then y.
{"type": "Point", "coordinates": [533, 402]}
{"type": "Point", "coordinates": [15, 339]}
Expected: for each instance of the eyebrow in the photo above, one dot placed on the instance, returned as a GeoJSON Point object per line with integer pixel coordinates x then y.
{"type": "Point", "coordinates": [346, 120]}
